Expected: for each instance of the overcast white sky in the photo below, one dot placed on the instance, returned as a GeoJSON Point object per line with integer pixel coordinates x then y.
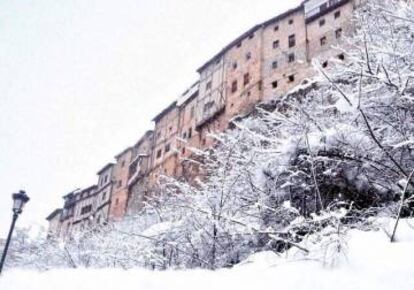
{"type": "Point", "coordinates": [80, 80]}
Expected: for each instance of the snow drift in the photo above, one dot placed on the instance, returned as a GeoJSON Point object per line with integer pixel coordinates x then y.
{"type": "Point", "coordinates": [369, 261]}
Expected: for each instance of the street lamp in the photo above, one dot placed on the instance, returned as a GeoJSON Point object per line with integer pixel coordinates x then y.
{"type": "Point", "coordinates": [19, 200]}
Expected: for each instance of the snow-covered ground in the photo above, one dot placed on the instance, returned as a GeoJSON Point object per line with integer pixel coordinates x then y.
{"type": "Point", "coordinates": [371, 262]}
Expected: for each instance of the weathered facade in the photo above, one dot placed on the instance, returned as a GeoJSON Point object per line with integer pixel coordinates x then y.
{"type": "Point", "coordinates": [261, 65]}
{"type": "Point", "coordinates": [120, 176]}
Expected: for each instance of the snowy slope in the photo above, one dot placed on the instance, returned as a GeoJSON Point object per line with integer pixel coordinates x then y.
{"type": "Point", "coordinates": [371, 262]}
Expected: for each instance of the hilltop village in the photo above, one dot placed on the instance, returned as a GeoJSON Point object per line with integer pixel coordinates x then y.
{"type": "Point", "coordinates": [259, 66]}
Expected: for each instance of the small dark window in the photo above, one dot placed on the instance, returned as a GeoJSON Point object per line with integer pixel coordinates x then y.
{"type": "Point", "coordinates": [86, 209]}
{"type": "Point", "coordinates": [290, 21]}
{"type": "Point", "coordinates": [322, 22]}
{"type": "Point", "coordinates": [292, 40]}
{"type": "Point", "coordinates": [251, 36]}
{"type": "Point", "coordinates": [291, 78]}
{"type": "Point", "coordinates": [184, 135]}
{"type": "Point", "coordinates": [190, 133]}
{"type": "Point", "coordinates": [234, 86]}
{"type": "Point", "coordinates": [192, 112]}
{"type": "Point", "coordinates": [338, 33]}
{"type": "Point", "coordinates": [341, 56]}
{"type": "Point", "coordinates": [275, 44]}
{"type": "Point", "coordinates": [183, 151]}
{"type": "Point", "coordinates": [249, 93]}
{"type": "Point", "coordinates": [203, 142]}
{"type": "Point", "coordinates": [104, 195]}
{"type": "Point", "coordinates": [246, 79]}
{"type": "Point", "coordinates": [123, 163]}
{"type": "Point", "coordinates": [291, 57]}
{"type": "Point", "coordinates": [167, 148]}
{"type": "Point", "coordinates": [170, 129]}
{"type": "Point", "coordinates": [337, 14]}
{"type": "Point", "coordinates": [323, 41]}
{"type": "Point", "coordinates": [239, 45]}
{"type": "Point", "coordinates": [106, 178]}
{"type": "Point", "coordinates": [325, 64]}
{"type": "Point", "coordinates": [274, 84]}
{"type": "Point", "coordinates": [276, 28]}
{"type": "Point", "coordinates": [159, 153]}
{"type": "Point", "coordinates": [234, 65]}
{"type": "Point", "coordinates": [119, 183]}
{"type": "Point", "coordinates": [117, 201]}
{"type": "Point", "coordinates": [208, 85]}
{"type": "Point", "coordinates": [248, 55]}
{"type": "Point", "coordinates": [274, 64]}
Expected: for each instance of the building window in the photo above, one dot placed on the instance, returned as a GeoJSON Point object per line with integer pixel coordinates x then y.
{"type": "Point", "coordinates": [246, 79]}
{"type": "Point", "coordinates": [322, 22]}
{"type": "Point", "coordinates": [208, 106]}
{"type": "Point", "coordinates": [106, 178]}
{"type": "Point", "coordinates": [119, 183]}
{"type": "Point", "coordinates": [248, 55]}
{"type": "Point", "coordinates": [337, 14]}
{"type": "Point", "coordinates": [251, 36]}
{"type": "Point", "coordinates": [323, 41]}
{"type": "Point", "coordinates": [341, 56]}
{"type": "Point", "coordinates": [274, 84]}
{"type": "Point", "coordinates": [275, 44]}
{"type": "Point", "coordinates": [183, 151]}
{"type": "Point", "coordinates": [234, 86]}
{"type": "Point", "coordinates": [159, 153]}
{"type": "Point", "coordinates": [104, 195]}
{"type": "Point", "coordinates": [276, 28]}
{"type": "Point", "coordinates": [117, 201]}
{"type": "Point", "coordinates": [234, 65]}
{"type": "Point", "coordinates": [86, 209]}
{"type": "Point", "coordinates": [184, 135]}
{"type": "Point", "coordinates": [123, 163]}
{"type": "Point", "coordinates": [203, 142]}
{"type": "Point", "coordinates": [291, 57]}
{"type": "Point", "coordinates": [291, 78]}
{"type": "Point", "coordinates": [167, 148]}
{"type": "Point", "coordinates": [338, 33]}
{"type": "Point", "coordinates": [170, 129]}
{"type": "Point", "coordinates": [190, 133]}
{"type": "Point", "coordinates": [239, 45]}
{"type": "Point", "coordinates": [292, 40]}
{"type": "Point", "coordinates": [192, 112]}
{"type": "Point", "coordinates": [274, 64]}
{"type": "Point", "coordinates": [325, 64]}
{"type": "Point", "coordinates": [208, 85]}
{"type": "Point", "coordinates": [290, 21]}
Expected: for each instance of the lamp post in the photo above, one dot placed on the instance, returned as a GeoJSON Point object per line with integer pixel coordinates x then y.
{"type": "Point", "coordinates": [19, 200]}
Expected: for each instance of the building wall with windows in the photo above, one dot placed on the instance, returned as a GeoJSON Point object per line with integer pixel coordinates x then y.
{"type": "Point", "coordinates": [139, 167]}
{"type": "Point", "coordinates": [261, 65]}
{"type": "Point", "coordinates": [103, 193]}
{"type": "Point", "coordinates": [120, 177]}
{"type": "Point", "coordinates": [84, 209]}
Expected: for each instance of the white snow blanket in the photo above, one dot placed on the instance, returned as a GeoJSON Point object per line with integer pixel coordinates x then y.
{"type": "Point", "coordinates": [371, 263]}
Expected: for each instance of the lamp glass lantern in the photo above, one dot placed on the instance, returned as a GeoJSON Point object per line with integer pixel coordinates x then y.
{"type": "Point", "coordinates": [19, 200]}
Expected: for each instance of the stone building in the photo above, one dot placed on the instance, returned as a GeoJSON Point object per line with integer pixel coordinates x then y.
{"type": "Point", "coordinates": [138, 183]}
{"type": "Point", "coordinates": [261, 65]}
{"type": "Point", "coordinates": [84, 209]}
{"type": "Point", "coordinates": [54, 220]}
{"type": "Point", "coordinates": [120, 176]}
{"type": "Point", "coordinates": [103, 193]}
